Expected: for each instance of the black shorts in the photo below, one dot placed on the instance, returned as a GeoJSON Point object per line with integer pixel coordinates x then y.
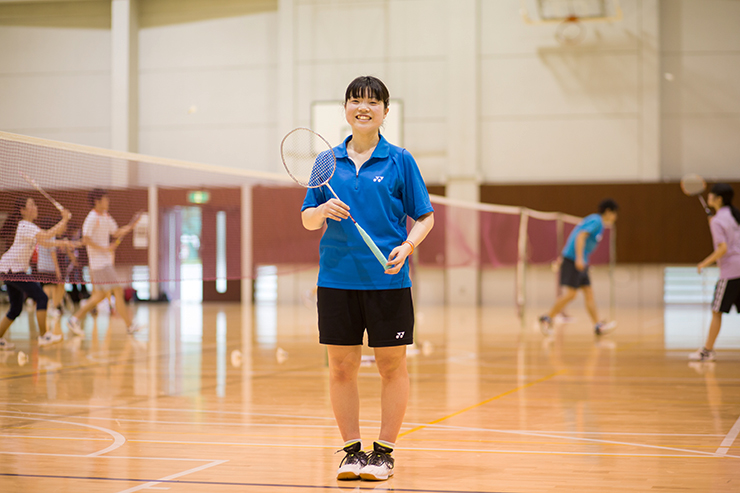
{"type": "Point", "coordinates": [726, 294]}
{"type": "Point", "coordinates": [572, 277]}
{"type": "Point", "coordinates": [344, 314]}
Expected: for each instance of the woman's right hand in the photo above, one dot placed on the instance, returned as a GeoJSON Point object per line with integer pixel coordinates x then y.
{"type": "Point", "coordinates": [66, 215]}
{"type": "Point", "coordinates": [335, 209]}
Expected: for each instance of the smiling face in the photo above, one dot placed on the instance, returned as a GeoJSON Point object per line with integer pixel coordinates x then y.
{"type": "Point", "coordinates": [365, 114]}
{"type": "Point", "coordinates": [366, 104]}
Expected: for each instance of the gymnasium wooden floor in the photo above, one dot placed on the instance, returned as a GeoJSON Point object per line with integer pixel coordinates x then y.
{"type": "Point", "coordinates": [217, 398]}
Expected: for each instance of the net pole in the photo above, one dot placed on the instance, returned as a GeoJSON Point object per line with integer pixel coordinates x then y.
{"type": "Point", "coordinates": [521, 265]}
{"type": "Point", "coordinates": [153, 250]}
{"type": "Point", "coordinates": [612, 268]}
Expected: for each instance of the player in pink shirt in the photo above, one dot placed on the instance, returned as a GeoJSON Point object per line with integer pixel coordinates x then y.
{"type": "Point", "coordinates": [725, 228]}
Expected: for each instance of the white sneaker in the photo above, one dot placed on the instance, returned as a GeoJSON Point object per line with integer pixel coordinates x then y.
{"type": "Point", "coordinates": [133, 328]}
{"type": "Point", "coordinates": [379, 465]}
{"type": "Point", "coordinates": [6, 345]}
{"type": "Point", "coordinates": [703, 354]}
{"type": "Point", "coordinates": [73, 325]}
{"type": "Point", "coordinates": [603, 328]}
{"type": "Point", "coordinates": [48, 339]}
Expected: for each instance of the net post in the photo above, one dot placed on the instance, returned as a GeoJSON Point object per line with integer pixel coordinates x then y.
{"type": "Point", "coordinates": [246, 246]}
{"type": "Point", "coordinates": [521, 264]}
{"type": "Point", "coordinates": [153, 252]}
{"type": "Point", "coordinates": [612, 268]}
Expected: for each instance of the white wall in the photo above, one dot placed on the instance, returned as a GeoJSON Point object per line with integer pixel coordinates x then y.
{"type": "Point", "coordinates": [701, 104]}
{"type": "Point", "coordinates": [218, 58]}
{"type": "Point", "coordinates": [55, 71]}
{"type": "Point", "coordinates": [600, 111]}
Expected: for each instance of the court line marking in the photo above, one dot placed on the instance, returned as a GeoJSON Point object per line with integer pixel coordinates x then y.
{"type": "Point", "coordinates": [298, 416]}
{"type": "Point", "coordinates": [118, 439]}
{"type": "Point", "coordinates": [729, 439]}
{"type": "Point", "coordinates": [381, 487]}
{"type": "Point", "coordinates": [174, 476]}
{"type": "Point", "coordinates": [435, 425]}
{"type": "Point", "coordinates": [508, 392]}
{"type": "Point", "coordinates": [46, 454]}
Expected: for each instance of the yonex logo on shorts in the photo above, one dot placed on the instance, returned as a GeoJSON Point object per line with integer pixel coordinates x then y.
{"type": "Point", "coordinates": [399, 335]}
{"type": "Point", "coordinates": [378, 179]}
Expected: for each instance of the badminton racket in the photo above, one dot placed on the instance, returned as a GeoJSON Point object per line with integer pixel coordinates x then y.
{"type": "Point", "coordinates": [694, 185]}
{"type": "Point", "coordinates": [309, 160]}
{"type": "Point", "coordinates": [35, 185]}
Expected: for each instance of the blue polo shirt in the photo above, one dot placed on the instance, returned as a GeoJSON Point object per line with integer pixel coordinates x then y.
{"type": "Point", "coordinates": [386, 189]}
{"type": "Point", "coordinates": [594, 226]}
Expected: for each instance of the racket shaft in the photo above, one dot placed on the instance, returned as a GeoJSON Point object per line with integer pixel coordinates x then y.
{"type": "Point", "coordinates": [704, 204]}
{"type": "Point", "coordinates": [366, 237]}
{"type": "Point", "coordinates": [373, 247]}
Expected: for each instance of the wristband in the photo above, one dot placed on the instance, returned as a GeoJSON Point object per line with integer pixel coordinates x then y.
{"type": "Point", "coordinates": [412, 246]}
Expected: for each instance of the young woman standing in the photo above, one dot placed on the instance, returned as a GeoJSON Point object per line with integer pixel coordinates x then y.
{"type": "Point", "coordinates": [725, 228]}
{"type": "Point", "coordinates": [382, 186]}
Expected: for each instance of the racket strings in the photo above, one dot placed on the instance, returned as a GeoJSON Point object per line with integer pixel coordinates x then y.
{"type": "Point", "coordinates": [308, 158]}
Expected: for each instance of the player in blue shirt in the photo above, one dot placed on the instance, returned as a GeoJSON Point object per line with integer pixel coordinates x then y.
{"type": "Point", "coordinates": [574, 267]}
{"type": "Point", "coordinates": [382, 186]}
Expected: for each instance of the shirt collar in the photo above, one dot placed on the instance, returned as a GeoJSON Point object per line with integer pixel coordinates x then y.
{"type": "Point", "coordinates": [382, 150]}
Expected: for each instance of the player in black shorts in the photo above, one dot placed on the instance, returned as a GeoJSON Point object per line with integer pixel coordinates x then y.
{"type": "Point", "coordinates": [382, 184]}
{"type": "Point", "coordinates": [582, 241]}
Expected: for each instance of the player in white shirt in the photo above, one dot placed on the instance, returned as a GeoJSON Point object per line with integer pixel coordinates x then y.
{"type": "Point", "coordinates": [15, 264]}
{"type": "Point", "coordinates": [97, 231]}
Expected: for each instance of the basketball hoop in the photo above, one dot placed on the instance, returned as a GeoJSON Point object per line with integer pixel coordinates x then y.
{"type": "Point", "coordinates": [570, 16]}
{"type": "Point", "coordinates": [570, 31]}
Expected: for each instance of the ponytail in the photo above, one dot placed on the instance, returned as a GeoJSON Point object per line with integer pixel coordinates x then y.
{"type": "Point", "coordinates": [727, 193]}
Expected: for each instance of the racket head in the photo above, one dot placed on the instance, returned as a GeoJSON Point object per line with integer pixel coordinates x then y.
{"type": "Point", "coordinates": [693, 184]}
{"type": "Point", "coordinates": [35, 185]}
{"type": "Point", "coordinates": [308, 157]}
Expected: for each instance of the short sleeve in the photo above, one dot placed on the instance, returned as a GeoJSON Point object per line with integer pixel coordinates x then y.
{"type": "Point", "coordinates": [593, 226]}
{"type": "Point", "coordinates": [314, 198]}
{"type": "Point", "coordinates": [719, 235]}
{"type": "Point", "coordinates": [87, 226]}
{"type": "Point", "coordinates": [416, 201]}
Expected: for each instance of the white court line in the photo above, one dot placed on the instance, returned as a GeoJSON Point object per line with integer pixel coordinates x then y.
{"type": "Point", "coordinates": [173, 476]}
{"type": "Point", "coordinates": [43, 454]}
{"type": "Point", "coordinates": [118, 439]}
{"type": "Point", "coordinates": [511, 432]}
{"type": "Point", "coordinates": [188, 423]}
{"type": "Point", "coordinates": [727, 442]}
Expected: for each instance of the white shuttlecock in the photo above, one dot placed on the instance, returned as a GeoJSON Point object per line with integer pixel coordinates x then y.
{"type": "Point", "coordinates": [281, 355]}
{"type": "Point", "coordinates": [22, 358]}
{"type": "Point", "coordinates": [192, 109]}
{"type": "Point", "coordinates": [236, 358]}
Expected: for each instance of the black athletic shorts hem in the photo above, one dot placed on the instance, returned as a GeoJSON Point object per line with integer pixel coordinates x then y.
{"type": "Point", "coordinates": [726, 294]}
{"type": "Point", "coordinates": [572, 277]}
{"type": "Point", "coordinates": [345, 314]}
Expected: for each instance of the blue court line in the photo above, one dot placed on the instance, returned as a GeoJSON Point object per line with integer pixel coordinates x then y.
{"type": "Point", "coordinates": [376, 486]}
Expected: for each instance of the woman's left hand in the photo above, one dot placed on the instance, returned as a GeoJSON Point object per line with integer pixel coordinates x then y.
{"type": "Point", "coordinates": [397, 258]}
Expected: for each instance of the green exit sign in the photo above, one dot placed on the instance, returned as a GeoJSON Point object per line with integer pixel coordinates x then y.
{"type": "Point", "coordinates": [199, 197]}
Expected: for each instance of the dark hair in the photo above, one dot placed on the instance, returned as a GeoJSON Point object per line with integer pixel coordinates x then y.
{"type": "Point", "coordinates": [726, 192]}
{"type": "Point", "coordinates": [368, 86]}
{"type": "Point", "coordinates": [95, 195]}
{"type": "Point", "coordinates": [608, 205]}
{"type": "Point", "coordinates": [7, 232]}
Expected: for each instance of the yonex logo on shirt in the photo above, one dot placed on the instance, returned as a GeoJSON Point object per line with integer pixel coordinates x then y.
{"type": "Point", "coordinates": [378, 179]}
{"type": "Point", "coordinates": [399, 335]}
